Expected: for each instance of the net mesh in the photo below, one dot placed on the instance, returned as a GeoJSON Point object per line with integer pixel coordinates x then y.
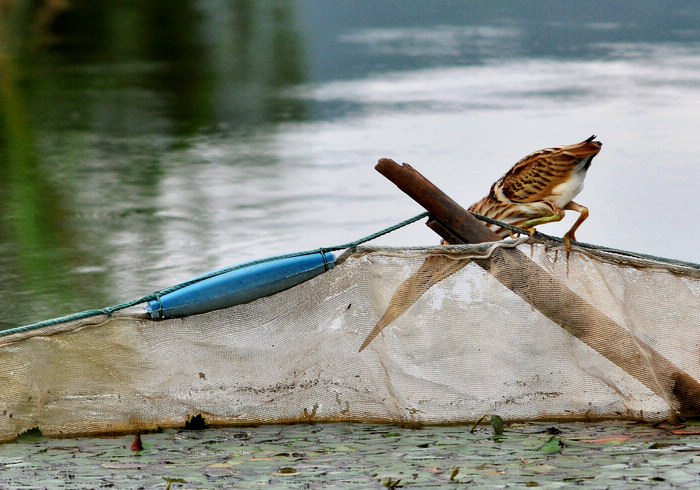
{"type": "Point", "coordinates": [448, 334]}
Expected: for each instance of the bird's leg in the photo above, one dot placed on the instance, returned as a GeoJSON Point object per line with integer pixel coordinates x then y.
{"type": "Point", "coordinates": [530, 224]}
{"type": "Point", "coordinates": [570, 235]}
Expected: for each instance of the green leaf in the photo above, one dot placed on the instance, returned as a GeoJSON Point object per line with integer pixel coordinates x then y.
{"type": "Point", "coordinates": [497, 424]}
{"type": "Point", "coordinates": [551, 446]}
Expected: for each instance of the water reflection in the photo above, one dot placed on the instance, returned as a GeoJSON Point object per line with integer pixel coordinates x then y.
{"type": "Point", "coordinates": [143, 144]}
{"type": "Point", "coordinates": [99, 98]}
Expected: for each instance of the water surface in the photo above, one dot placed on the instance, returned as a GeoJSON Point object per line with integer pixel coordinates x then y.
{"type": "Point", "coordinates": [143, 145]}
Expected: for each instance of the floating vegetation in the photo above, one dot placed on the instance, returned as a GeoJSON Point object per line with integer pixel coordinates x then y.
{"type": "Point", "coordinates": [496, 423]}
{"type": "Point", "coordinates": [601, 454]}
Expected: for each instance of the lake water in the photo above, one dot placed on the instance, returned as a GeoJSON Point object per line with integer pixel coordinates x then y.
{"type": "Point", "coordinates": [143, 145]}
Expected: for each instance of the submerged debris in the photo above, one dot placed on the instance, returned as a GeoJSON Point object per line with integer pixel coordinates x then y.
{"type": "Point", "coordinates": [196, 422]}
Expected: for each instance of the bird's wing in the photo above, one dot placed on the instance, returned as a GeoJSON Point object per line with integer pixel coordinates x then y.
{"type": "Point", "coordinates": [534, 177]}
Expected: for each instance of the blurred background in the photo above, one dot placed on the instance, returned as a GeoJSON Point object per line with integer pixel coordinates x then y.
{"type": "Point", "coordinates": [142, 143]}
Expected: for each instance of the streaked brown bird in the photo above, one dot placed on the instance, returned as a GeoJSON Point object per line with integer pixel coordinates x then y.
{"type": "Point", "coordinates": [539, 188]}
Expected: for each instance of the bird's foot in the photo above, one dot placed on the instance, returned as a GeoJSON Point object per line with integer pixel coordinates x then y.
{"type": "Point", "coordinates": [568, 238]}
{"type": "Point", "coordinates": [530, 231]}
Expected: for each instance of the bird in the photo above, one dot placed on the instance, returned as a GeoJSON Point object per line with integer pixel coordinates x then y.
{"type": "Point", "coordinates": [540, 188]}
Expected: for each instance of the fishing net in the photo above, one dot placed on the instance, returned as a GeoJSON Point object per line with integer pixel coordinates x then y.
{"type": "Point", "coordinates": [448, 334]}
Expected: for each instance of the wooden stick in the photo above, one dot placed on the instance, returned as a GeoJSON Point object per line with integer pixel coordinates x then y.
{"type": "Point", "coordinates": [457, 221]}
{"type": "Point", "coordinates": [550, 296]}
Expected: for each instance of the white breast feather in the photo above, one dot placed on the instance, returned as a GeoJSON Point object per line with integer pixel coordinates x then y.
{"type": "Point", "coordinates": [565, 192]}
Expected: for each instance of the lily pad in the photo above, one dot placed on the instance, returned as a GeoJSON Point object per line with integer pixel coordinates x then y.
{"type": "Point", "coordinates": [553, 445]}
{"type": "Point", "coordinates": [361, 455]}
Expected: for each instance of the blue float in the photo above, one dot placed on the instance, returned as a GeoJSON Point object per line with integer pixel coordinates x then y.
{"type": "Point", "coordinates": [245, 283]}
